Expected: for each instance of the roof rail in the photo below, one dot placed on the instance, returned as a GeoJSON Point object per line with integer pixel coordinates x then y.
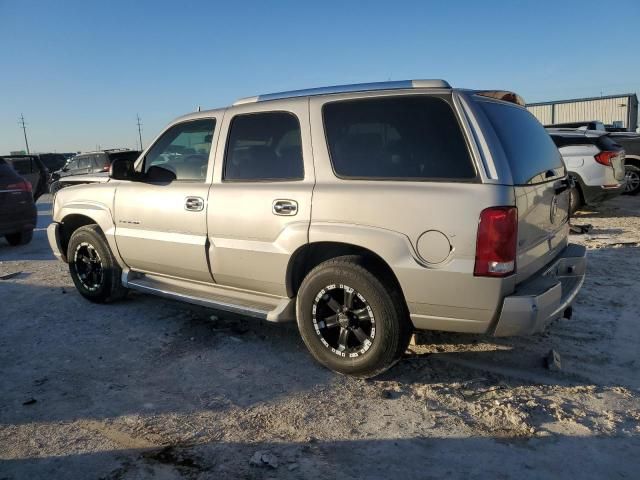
{"type": "Point", "coordinates": [355, 87]}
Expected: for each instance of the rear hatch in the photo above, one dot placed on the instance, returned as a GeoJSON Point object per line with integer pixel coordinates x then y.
{"type": "Point", "coordinates": [539, 182]}
{"type": "Point", "coordinates": [14, 195]}
{"type": "Point", "coordinates": [607, 144]}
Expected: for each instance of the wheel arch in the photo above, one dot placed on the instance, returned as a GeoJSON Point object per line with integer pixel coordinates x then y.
{"type": "Point", "coordinates": [632, 160]}
{"type": "Point", "coordinates": [69, 224]}
{"type": "Point", "coordinates": [309, 256]}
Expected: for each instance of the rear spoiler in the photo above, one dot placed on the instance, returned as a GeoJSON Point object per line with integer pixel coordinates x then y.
{"type": "Point", "coordinates": [503, 95]}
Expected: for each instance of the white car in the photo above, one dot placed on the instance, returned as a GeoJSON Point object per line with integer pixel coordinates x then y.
{"type": "Point", "coordinates": [594, 160]}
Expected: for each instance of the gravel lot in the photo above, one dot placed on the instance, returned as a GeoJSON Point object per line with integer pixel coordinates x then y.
{"type": "Point", "coordinates": [149, 388]}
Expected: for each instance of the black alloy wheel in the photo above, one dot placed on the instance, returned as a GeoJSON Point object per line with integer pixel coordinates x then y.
{"type": "Point", "coordinates": [343, 320]}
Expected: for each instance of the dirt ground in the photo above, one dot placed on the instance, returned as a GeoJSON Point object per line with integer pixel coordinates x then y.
{"type": "Point", "coordinates": [149, 388]}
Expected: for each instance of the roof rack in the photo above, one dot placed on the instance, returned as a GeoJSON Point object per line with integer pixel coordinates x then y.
{"type": "Point", "coordinates": [355, 87]}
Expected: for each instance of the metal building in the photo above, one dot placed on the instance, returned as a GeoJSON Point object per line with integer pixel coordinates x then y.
{"type": "Point", "coordinates": [616, 110]}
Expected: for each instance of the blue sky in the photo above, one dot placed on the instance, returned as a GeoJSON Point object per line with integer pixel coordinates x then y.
{"type": "Point", "coordinates": [80, 71]}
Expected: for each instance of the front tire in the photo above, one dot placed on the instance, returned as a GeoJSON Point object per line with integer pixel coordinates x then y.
{"type": "Point", "coordinates": [351, 322]}
{"type": "Point", "coordinates": [94, 270]}
{"type": "Point", "coordinates": [632, 177]}
{"type": "Point", "coordinates": [20, 238]}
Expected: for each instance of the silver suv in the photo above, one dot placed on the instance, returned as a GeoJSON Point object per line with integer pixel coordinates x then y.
{"type": "Point", "coordinates": [364, 212]}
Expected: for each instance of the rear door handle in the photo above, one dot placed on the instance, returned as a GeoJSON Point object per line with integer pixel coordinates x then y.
{"type": "Point", "coordinates": [284, 207]}
{"type": "Point", "coordinates": [194, 204]}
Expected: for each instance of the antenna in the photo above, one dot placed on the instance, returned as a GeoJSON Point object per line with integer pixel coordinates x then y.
{"type": "Point", "coordinates": [139, 130]}
{"type": "Point", "coordinates": [24, 129]}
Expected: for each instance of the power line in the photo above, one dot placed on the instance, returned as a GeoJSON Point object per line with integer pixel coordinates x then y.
{"type": "Point", "coordinates": [24, 129]}
{"type": "Point", "coordinates": [139, 130]}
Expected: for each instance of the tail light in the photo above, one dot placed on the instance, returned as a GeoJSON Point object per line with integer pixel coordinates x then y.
{"type": "Point", "coordinates": [605, 157]}
{"type": "Point", "coordinates": [23, 186]}
{"type": "Point", "coordinates": [106, 167]}
{"type": "Point", "coordinates": [496, 242]}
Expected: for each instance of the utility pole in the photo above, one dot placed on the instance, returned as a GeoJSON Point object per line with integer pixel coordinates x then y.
{"type": "Point", "coordinates": [139, 130]}
{"type": "Point", "coordinates": [24, 129]}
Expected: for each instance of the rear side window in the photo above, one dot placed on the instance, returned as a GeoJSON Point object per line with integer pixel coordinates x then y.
{"type": "Point", "coordinates": [529, 149]}
{"type": "Point", "coordinates": [404, 138]}
{"type": "Point", "coordinates": [22, 165]}
{"type": "Point", "coordinates": [264, 147]}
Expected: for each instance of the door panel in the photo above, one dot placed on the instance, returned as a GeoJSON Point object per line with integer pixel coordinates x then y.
{"type": "Point", "coordinates": [156, 233]}
{"type": "Point", "coordinates": [259, 211]}
{"type": "Point", "coordinates": [161, 222]}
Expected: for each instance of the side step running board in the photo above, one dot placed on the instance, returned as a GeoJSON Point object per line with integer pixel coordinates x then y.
{"type": "Point", "coordinates": [269, 308]}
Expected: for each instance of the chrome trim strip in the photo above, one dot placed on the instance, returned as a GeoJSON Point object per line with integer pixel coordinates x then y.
{"type": "Point", "coordinates": [11, 191]}
{"type": "Point", "coordinates": [252, 312]}
{"type": "Point", "coordinates": [355, 87]}
{"type": "Point", "coordinates": [485, 153]}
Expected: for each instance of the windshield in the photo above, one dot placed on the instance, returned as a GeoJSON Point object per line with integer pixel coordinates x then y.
{"type": "Point", "coordinates": [532, 155]}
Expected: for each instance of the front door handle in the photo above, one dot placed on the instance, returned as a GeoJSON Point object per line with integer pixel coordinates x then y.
{"type": "Point", "coordinates": [194, 204]}
{"type": "Point", "coordinates": [285, 207]}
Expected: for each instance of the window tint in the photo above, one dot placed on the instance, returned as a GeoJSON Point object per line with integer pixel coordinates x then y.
{"type": "Point", "coordinates": [182, 151]}
{"type": "Point", "coordinates": [21, 165]}
{"type": "Point", "coordinates": [85, 162]}
{"type": "Point", "coordinates": [264, 146]}
{"type": "Point", "coordinates": [529, 149]}
{"type": "Point", "coordinates": [416, 137]}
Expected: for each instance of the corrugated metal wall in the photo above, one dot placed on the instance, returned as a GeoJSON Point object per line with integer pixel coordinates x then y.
{"type": "Point", "coordinates": [543, 113]}
{"type": "Point", "coordinates": [607, 110]}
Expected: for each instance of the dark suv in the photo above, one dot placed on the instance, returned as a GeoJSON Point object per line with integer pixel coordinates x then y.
{"type": "Point", "coordinates": [31, 168]}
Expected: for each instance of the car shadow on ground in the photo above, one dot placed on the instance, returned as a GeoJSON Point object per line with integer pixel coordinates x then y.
{"type": "Point", "coordinates": [557, 456]}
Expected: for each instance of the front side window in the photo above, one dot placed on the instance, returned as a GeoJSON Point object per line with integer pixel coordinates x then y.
{"type": "Point", "coordinates": [405, 138]}
{"type": "Point", "coordinates": [182, 153]}
{"type": "Point", "coordinates": [264, 147]}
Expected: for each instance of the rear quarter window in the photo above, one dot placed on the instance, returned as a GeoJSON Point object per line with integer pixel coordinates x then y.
{"type": "Point", "coordinates": [404, 138]}
{"type": "Point", "coordinates": [529, 149]}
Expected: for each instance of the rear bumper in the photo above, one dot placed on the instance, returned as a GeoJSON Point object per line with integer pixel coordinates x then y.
{"type": "Point", "coordinates": [19, 220]}
{"type": "Point", "coordinates": [544, 298]}
{"type": "Point", "coordinates": [53, 235]}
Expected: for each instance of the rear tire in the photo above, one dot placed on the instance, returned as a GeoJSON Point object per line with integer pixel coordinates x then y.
{"type": "Point", "coordinates": [94, 270]}
{"type": "Point", "coordinates": [632, 176]}
{"type": "Point", "coordinates": [575, 200]}
{"type": "Point", "coordinates": [20, 238]}
{"type": "Point", "coordinates": [351, 322]}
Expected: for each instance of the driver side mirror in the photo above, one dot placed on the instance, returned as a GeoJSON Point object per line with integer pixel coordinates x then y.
{"type": "Point", "coordinates": [122, 169]}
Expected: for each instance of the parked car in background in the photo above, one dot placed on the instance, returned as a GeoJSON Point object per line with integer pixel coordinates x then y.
{"type": "Point", "coordinates": [32, 169]}
{"type": "Point", "coordinates": [88, 164]}
{"type": "Point", "coordinates": [361, 211]}
{"type": "Point", "coordinates": [595, 161]}
{"type": "Point", "coordinates": [53, 161]}
{"type": "Point", "coordinates": [631, 144]}
{"type": "Point", "coordinates": [585, 125]}
{"type": "Point", "coordinates": [18, 213]}
{"type": "Point", "coordinates": [100, 177]}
